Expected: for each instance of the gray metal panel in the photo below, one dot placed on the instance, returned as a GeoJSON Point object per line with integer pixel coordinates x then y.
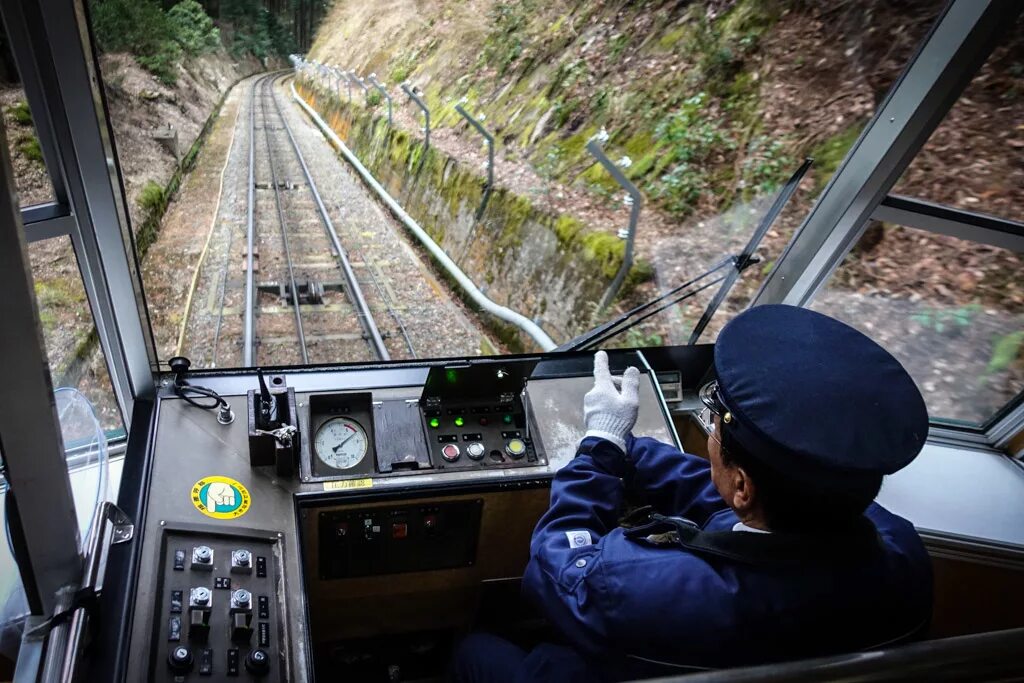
{"type": "Point", "coordinates": [557, 408]}
{"type": "Point", "coordinates": [956, 48]}
{"type": "Point", "coordinates": [190, 445]}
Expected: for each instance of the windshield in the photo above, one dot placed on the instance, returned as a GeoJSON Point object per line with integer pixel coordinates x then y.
{"type": "Point", "coordinates": [361, 182]}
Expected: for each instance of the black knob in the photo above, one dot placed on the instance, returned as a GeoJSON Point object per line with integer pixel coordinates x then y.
{"type": "Point", "coordinates": [258, 662]}
{"type": "Point", "coordinates": [180, 660]}
{"type": "Point", "coordinates": [179, 366]}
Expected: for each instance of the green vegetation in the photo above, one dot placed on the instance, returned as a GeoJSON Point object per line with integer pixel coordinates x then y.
{"type": "Point", "coordinates": [1005, 351]}
{"type": "Point", "coordinates": [947, 320]}
{"type": "Point", "coordinates": [256, 31]}
{"type": "Point", "coordinates": [507, 40]}
{"type": "Point", "coordinates": [688, 138]}
{"type": "Point", "coordinates": [374, 98]}
{"type": "Point", "coordinates": [142, 28]}
{"type": "Point", "coordinates": [152, 198]}
{"type": "Point", "coordinates": [765, 163]}
{"type": "Point", "coordinates": [193, 28]}
{"type": "Point", "coordinates": [830, 153]}
{"type": "Point", "coordinates": [160, 39]}
{"type": "Point", "coordinates": [21, 113]}
{"type": "Point", "coordinates": [29, 146]}
{"type": "Point", "coordinates": [56, 293]}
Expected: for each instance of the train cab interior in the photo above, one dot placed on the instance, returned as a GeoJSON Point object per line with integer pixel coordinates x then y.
{"type": "Point", "coordinates": [351, 521]}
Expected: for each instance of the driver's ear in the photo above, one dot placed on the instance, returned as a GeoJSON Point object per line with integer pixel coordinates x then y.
{"type": "Point", "coordinates": [744, 491]}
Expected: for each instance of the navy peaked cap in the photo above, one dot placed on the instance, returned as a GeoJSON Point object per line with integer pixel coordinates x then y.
{"type": "Point", "coordinates": [816, 400]}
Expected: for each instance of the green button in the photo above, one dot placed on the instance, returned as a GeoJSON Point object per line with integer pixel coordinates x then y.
{"type": "Point", "coordinates": [507, 419]}
{"type": "Point", "coordinates": [435, 423]}
{"type": "Point", "coordinates": [459, 421]}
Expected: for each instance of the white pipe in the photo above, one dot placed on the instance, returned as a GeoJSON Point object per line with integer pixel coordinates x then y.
{"type": "Point", "coordinates": [507, 314]}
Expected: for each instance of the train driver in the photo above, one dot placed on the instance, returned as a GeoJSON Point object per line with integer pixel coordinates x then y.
{"type": "Point", "coordinates": [770, 550]}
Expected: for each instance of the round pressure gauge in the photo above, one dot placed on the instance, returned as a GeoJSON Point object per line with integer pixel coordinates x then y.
{"type": "Point", "coordinates": [340, 443]}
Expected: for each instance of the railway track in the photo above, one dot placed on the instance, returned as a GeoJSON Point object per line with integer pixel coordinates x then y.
{"type": "Point", "coordinates": [302, 300]}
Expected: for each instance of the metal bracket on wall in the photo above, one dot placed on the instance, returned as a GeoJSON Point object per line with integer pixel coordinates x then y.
{"type": "Point", "coordinates": [634, 215]}
{"type": "Point", "coordinates": [426, 121]}
{"type": "Point", "coordinates": [361, 83]}
{"type": "Point", "coordinates": [348, 82]}
{"type": "Point", "coordinates": [490, 157]}
{"type": "Point", "coordinates": [384, 92]}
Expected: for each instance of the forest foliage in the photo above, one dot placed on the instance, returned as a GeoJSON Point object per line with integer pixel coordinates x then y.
{"type": "Point", "coordinates": [161, 38]}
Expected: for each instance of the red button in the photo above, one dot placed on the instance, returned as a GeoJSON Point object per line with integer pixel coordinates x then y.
{"type": "Point", "coordinates": [484, 421]}
{"type": "Point", "coordinates": [399, 530]}
{"type": "Point", "coordinates": [450, 452]}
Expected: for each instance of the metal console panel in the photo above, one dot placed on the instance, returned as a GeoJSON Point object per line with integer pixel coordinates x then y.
{"type": "Point", "coordinates": [219, 609]}
{"type": "Point", "coordinates": [190, 447]}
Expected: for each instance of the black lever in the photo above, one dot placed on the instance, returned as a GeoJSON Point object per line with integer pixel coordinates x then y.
{"type": "Point", "coordinates": [268, 406]}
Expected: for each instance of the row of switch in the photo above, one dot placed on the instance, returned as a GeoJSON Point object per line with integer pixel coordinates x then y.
{"type": "Point", "coordinates": [200, 609]}
{"type": "Point", "coordinates": [514, 448]}
{"type": "Point", "coordinates": [202, 560]}
{"type": "Point", "coordinates": [241, 600]}
{"type": "Point", "coordinates": [181, 660]}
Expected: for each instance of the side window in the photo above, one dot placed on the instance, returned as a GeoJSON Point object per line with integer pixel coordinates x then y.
{"type": "Point", "coordinates": [72, 343]}
{"type": "Point", "coordinates": [952, 311]}
{"type": "Point", "coordinates": [73, 351]}
{"type": "Point", "coordinates": [936, 277]}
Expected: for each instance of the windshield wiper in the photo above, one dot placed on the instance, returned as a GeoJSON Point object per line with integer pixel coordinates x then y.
{"type": "Point", "coordinates": [735, 264]}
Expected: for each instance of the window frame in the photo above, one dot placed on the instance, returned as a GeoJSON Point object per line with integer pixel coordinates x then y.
{"type": "Point", "coordinates": [64, 94]}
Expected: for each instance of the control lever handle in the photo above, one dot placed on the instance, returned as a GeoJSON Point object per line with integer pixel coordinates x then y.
{"type": "Point", "coordinates": [268, 406]}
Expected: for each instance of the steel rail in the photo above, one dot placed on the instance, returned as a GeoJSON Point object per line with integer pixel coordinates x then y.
{"type": "Point", "coordinates": [248, 350]}
{"type": "Point", "coordinates": [280, 216]}
{"type": "Point", "coordinates": [355, 292]}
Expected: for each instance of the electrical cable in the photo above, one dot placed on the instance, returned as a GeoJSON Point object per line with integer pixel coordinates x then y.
{"type": "Point", "coordinates": [183, 389]}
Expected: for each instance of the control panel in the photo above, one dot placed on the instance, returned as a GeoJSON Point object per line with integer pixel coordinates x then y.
{"type": "Point", "coordinates": [219, 613]}
{"type": "Point", "coordinates": [391, 540]}
{"type": "Point", "coordinates": [474, 416]}
{"type": "Point", "coordinates": [478, 434]}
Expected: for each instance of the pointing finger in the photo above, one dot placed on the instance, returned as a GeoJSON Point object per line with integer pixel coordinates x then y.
{"type": "Point", "coordinates": [631, 384]}
{"type": "Point", "coordinates": [602, 376]}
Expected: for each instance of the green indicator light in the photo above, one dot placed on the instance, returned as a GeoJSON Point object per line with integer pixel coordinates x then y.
{"type": "Point", "coordinates": [451, 376]}
{"type": "Point", "coordinates": [507, 419]}
{"type": "Point", "coordinates": [435, 423]}
{"type": "Point", "coordinates": [459, 421]}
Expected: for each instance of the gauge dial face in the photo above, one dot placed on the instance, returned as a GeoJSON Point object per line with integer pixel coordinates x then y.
{"type": "Point", "coordinates": [340, 443]}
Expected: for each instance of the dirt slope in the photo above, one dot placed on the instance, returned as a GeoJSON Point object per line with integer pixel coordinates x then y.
{"type": "Point", "coordinates": [709, 105]}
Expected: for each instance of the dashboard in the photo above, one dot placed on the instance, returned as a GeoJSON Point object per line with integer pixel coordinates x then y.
{"type": "Point", "coordinates": [355, 502]}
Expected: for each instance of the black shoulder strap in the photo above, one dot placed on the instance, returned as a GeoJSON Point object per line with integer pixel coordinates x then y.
{"type": "Point", "coordinates": [775, 549]}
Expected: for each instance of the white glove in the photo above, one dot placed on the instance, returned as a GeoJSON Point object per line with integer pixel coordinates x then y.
{"type": "Point", "coordinates": [608, 413]}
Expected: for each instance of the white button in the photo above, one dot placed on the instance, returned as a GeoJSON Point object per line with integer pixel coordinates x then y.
{"type": "Point", "coordinates": [581, 563]}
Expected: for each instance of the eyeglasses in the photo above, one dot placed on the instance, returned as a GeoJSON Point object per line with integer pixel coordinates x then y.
{"type": "Point", "coordinates": [713, 405]}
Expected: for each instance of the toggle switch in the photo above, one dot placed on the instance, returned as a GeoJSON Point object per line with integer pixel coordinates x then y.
{"type": "Point", "coordinates": [241, 628]}
{"type": "Point", "coordinates": [198, 625]}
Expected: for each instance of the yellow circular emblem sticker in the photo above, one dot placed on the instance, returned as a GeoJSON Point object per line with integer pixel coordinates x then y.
{"type": "Point", "coordinates": [220, 497]}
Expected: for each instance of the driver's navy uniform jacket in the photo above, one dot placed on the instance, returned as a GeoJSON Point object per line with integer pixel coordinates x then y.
{"type": "Point", "coordinates": [623, 603]}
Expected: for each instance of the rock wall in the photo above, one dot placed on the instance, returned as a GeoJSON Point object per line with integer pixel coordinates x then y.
{"type": "Point", "coordinates": [547, 267]}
